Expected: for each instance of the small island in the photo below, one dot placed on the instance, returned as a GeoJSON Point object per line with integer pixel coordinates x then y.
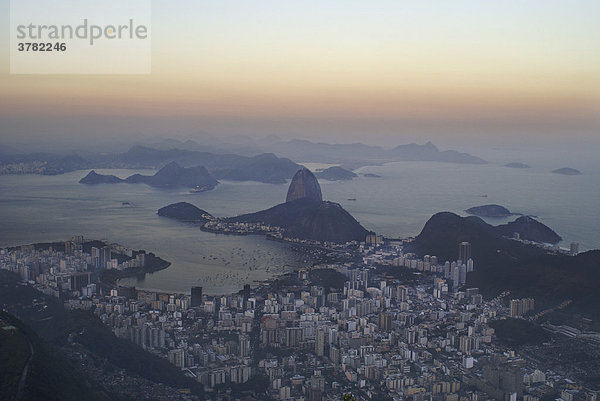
{"type": "Point", "coordinates": [186, 212]}
{"type": "Point", "coordinates": [336, 173]}
{"type": "Point", "coordinates": [94, 178]}
{"type": "Point", "coordinates": [517, 165]}
{"type": "Point", "coordinates": [567, 171]}
{"type": "Point", "coordinates": [489, 211]}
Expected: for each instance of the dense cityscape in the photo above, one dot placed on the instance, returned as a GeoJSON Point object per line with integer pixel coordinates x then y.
{"type": "Point", "coordinates": [380, 325]}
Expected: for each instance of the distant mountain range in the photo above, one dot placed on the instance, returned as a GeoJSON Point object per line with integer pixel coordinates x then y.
{"type": "Point", "coordinates": [254, 161]}
{"type": "Point", "coordinates": [357, 154]}
{"type": "Point", "coordinates": [264, 167]}
{"type": "Point", "coordinates": [350, 155]}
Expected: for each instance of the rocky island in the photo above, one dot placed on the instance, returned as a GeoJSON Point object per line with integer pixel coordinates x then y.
{"type": "Point", "coordinates": [517, 165]}
{"type": "Point", "coordinates": [567, 171]}
{"type": "Point", "coordinates": [489, 211]}
{"type": "Point", "coordinates": [184, 211]}
{"type": "Point", "coordinates": [336, 173]}
{"type": "Point", "coordinates": [171, 175]}
{"type": "Point", "coordinates": [94, 178]}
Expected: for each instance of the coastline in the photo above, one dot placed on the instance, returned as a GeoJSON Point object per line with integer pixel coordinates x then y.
{"type": "Point", "coordinates": [107, 277]}
{"type": "Point", "coordinates": [111, 277]}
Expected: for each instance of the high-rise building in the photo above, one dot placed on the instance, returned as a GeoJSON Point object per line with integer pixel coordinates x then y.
{"type": "Point", "coordinates": [244, 346]}
{"type": "Point", "coordinates": [96, 257]}
{"type": "Point", "coordinates": [79, 280]}
{"type": "Point", "coordinates": [374, 239]}
{"type": "Point", "coordinates": [519, 307]}
{"type": "Point", "coordinates": [69, 248]}
{"type": "Point", "coordinates": [105, 256]}
{"type": "Point", "coordinates": [574, 248]}
{"type": "Point", "coordinates": [334, 354]}
{"type": "Point", "coordinates": [320, 342]}
{"type": "Point", "coordinates": [464, 251]}
{"type": "Point", "coordinates": [470, 265]}
{"type": "Point", "coordinates": [246, 295]}
{"type": "Point", "coordinates": [196, 296]}
{"type": "Point", "coordinates": [385, 321]}
{"type": "Point", "coordinates": [177, 357]}
{"type": "Point", "coordinates": [462, 274]}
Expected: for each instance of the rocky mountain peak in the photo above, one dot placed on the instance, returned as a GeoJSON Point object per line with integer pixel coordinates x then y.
{"type": "Point", "coordinates": [304, 185]}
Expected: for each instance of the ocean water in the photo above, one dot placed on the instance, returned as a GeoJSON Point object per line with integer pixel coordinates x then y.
{"type": "Point", "coordinates": [54, 208]}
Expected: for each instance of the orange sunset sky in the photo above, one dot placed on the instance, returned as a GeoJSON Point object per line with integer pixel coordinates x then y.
{"type": "Point", "coordinates": [290, 67]}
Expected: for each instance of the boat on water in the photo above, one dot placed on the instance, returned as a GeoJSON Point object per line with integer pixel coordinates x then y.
{"type": "Point", "coordinates": [351, 199]}
{"type": "Point", "coordinates": [197, 190]}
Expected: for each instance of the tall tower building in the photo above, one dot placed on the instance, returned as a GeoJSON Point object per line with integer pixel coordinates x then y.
{"type": "Point", "coordinates": [320, 342]}
{"type": "Point", "coordinates": [196, 296]}
{"type": "Point", "coordinates": [244, 346]}
{"type": "Point", "coordinates": [385, 322]}
{"type": "Point", "coordinates": [464, 251]}
{"type": "Point", "coordinates": [96, 257]}
{"type": "Point", "coordinates": [574, 250]}
{"type": "Point", "coordinates": [105, 256]}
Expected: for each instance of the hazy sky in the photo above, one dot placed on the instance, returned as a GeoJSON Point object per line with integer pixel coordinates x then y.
{"type": "Point", "coordinates": [347, 70]}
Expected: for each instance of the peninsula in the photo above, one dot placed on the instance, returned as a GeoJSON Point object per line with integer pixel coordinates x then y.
{"type": "Point", "coordinates": [305, 216]}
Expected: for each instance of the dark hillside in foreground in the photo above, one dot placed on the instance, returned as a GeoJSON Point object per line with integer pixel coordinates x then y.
{"type": "Point", "coordinates": [56, 325]}
{"type": "Point", "coordinates": [29, 367]}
